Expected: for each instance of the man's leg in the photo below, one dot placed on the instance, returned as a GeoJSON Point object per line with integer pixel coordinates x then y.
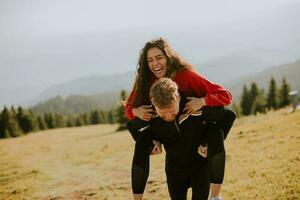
{"type": "Point", "coordinates": [177, 180]}
{"type": "Point", "coordinates": [200, 182]}
{"type": "Point", "coordinates": [177, 186]}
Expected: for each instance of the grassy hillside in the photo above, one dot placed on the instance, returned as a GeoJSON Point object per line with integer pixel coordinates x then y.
{"type": "Point", "coordinates": [94, 162]}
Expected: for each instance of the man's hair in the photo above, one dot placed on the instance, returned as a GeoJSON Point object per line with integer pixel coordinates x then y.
{"type": "Point", "coordinates": [163, 92]}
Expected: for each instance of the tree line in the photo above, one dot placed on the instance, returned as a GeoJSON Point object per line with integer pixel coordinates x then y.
{"type": "Point", "coordinates": [255, 100]}
{"type": "Point", "coordinates": [17, 122]}
{"type": "Point", "coordinates": [20, 121]}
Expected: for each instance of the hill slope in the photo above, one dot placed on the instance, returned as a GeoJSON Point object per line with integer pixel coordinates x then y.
{"type": "Point", "coordinates": [94, 162]}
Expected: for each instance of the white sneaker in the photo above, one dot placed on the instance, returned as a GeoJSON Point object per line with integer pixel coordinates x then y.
{"type": "Point", "coordinates": [215, 198]}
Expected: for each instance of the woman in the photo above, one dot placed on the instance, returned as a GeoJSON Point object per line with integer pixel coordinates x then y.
{"type": "Point", "coordinates": [157, 60]}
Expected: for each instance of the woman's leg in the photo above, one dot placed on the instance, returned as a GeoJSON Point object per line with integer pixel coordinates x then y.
{"type": "Point", "coordinates": [140, 162]}
{"type": "Point", "coordinates": [216, 158]}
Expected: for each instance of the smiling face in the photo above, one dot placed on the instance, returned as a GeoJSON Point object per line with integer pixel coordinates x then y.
{"type": "Point", "coordinates": [157, 62]}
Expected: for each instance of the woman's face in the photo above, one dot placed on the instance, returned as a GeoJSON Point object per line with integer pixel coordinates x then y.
{"type": "Point", "coordinates": [157, 62]}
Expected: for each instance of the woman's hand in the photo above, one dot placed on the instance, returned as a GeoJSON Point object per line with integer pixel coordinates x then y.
{"type": "Point", "coordinates": [144, 112]}
{"type": "Point", "coordinates": [193, 105]}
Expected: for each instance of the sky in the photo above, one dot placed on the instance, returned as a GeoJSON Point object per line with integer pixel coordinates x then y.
{"type": "Point", "coordinates": [31, 28]}
{"type": "Point", "coordinates": [35, 18]}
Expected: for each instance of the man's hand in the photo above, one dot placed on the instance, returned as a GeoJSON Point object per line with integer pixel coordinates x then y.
{"type": "Point", "coordinates": [157, 149]}
{"type": "Point", "coordinates": [144, 112]}
{"type": "Point", "coordinates": [193, 104]}
{"type": "Point", "coordinates": [202, 150]}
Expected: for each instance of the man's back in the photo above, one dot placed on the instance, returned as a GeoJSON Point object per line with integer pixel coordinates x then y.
{"type": "Point", "coordinates": [181, 140]}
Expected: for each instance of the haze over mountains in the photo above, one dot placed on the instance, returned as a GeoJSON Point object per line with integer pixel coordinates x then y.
{"type": "Point", "coordinates": [222, 52]}
{"type": "Point", "coordinates": [72, 104]}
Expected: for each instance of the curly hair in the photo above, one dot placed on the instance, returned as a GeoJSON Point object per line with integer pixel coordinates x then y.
{"type": "Point", "coordinates": [144, 76]}
{"type": "Point", "coordinates": [163, 92]}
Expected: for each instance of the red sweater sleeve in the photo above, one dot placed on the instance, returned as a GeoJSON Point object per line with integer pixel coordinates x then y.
{"type": "Point", "coordinates": [193, 84]}
{"type": "Point", "coordinates": [128, 106]}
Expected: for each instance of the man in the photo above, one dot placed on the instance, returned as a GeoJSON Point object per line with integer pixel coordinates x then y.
{"type": "Point", "coordinates": [181, 136]}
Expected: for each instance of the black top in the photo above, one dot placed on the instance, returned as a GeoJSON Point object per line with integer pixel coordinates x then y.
{"type": "Point", "coordinates": [180, 139]}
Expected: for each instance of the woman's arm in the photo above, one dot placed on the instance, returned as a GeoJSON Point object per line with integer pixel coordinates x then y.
{"type": "Point", "coordinates": [128, 106]}
{"type": "Point", "coordinates": [144, 112]}
{"type": "Point", "coordinates": [193, 84]}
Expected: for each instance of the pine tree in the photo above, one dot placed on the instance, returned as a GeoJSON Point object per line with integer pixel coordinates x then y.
{"type": "Point", "coordinates": [79, 122]}
{"type": "Point", "coordinates": [34, 122]}
{"type": "Point", "coordinates": [50, 120]}
{"type": "Point", "coordinates": [121, 119]}
{"type": "Point", "coordinates": [246, 101]}
{"type": "Point", "coordinates": [95, 117]}
{"type": "Point", "coordinates": [59, 121]}
{"type": "Point", "coordinates": [6, 134]}
{"type": "Point", "coordinates": [253, 93]}
{"type": "Point", "coordinates": [41, 123]}
{"type": "Point", "coordinates": [111, 117]}
{"type": "Point", "coordinates": [10, 123]}
{"type": "Point", "coordinates": [26, 120]}
{"type": "Point", "coordinates": [13, 111]}
{"type": "Point", "coordinates": [70, 122]}
{"type": "Point", "coordinates": [284, 94]}
{"type": "Point", "coordinates": [272, 95]}
{"type": "Point", "coordinates": [2, 127]}
{"type": "Point", "coordinates": [104, 117]}
{"type": "Point", "coordinates": [260, 102]}
{"type": "Point", "coordinates": [85, 118]}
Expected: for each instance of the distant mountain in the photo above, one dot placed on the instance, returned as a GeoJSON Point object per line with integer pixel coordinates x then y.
{"type": "Point", "coordinates": [109, 96]}
{"type": "Point", "coordinates": [290, 71]}
{"type": "Point", "coordinates": [241, 63]}
{"type": "Point", "coordinates": [75, 104]}
{"type": "Point", "coordinates": [106, 85]}
{"type": "Point", "coordinates": [220, 70]}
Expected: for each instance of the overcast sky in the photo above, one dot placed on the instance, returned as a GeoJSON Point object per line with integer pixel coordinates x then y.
{"type": "Point", "coordinates": [33, 18]}
{"type": "Point", "coordinates": [26, 24]}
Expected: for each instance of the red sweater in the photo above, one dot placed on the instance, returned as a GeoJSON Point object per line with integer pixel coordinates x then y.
{"type": "Point", "coordinates": [192, 84]}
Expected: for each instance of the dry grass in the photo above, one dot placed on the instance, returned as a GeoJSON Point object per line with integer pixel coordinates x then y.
{"type": "Point", "coordinates": [94, 162]}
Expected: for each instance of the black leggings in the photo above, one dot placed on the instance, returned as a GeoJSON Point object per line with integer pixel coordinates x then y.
{"type": "Point", "coordinates": [141, 159]}
{"type": "Point", "coordinates": [216, 154]}
{"type": "Point", "coordinates": [215, 136]}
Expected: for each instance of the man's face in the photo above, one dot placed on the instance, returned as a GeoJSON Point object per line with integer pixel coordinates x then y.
{"type": "Point", "coordinates": [169, 113]}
